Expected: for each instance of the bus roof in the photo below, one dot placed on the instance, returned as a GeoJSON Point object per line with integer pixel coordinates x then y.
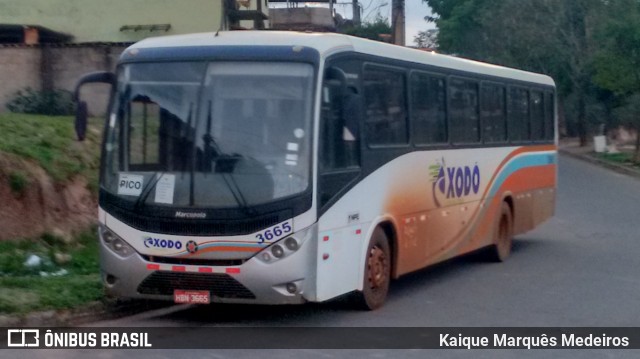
{"type": "Point", "coordinates": [331, 43]}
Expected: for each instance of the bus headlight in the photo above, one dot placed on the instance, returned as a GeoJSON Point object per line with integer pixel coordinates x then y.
{"type": "Point", "coordinates": [291, 243]}
{"type": "Point", "coordinates": [277, 251]}
{"type": "Point", "coordinates": [284, 247]}
{"type": "Point", "coordinates": [115, 243]}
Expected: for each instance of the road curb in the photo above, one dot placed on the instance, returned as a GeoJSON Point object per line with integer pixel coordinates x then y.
{"type": "Point", "coordinates": [602, 163]}
{"type": "Point", "coordinates": [91, 312]}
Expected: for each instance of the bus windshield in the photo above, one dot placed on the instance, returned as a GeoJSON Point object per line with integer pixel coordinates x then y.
{"type": "Point", "coordinates": [209, 135]}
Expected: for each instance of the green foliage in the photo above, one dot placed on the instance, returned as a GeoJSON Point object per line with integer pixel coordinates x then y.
{"type": "Point", "coordinates": [628, 113]}
{"type": "Point", "coordinates": [617, 62]}
{"type": "Point", "coordinates": [51, 103]}
{"type": "Point", "coordinates": [18, 182]}
{"type": "Point", "coordinates": [85, 255]}
{"type": "Point", "coordinates": [52, 240]}
{"type": "Point", "coordinates": [370, 30]}
{"type": "Point", "coordinates": [27, 294]}
{"type": "Point", "coordinates": [426, 39]}
{"type": "Point", "coordinates": [618, 56]}
{"type": "Point", "coordinates": [50, 142]}
{"type": "Point", "coordinates": [460, 26]}
{"type": "Point", "coordinates": [618, 158]}
{"type": "Point", "coordinates": [548, 36]}
{"type": "Point", "coordinates": [84, 251]}
{"type": "Point", "coordinates": [555, 37]}
{"type": "Point", "coordinates": [23, 289]}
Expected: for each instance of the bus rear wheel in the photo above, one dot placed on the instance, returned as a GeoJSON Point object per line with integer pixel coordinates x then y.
{"type": "Point", "coordinates": [503, 237]}
{"type": "Point", "coordinates": [377, 272]}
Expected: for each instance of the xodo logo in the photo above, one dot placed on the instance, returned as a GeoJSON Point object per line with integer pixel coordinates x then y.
{"type": "Point", "coordinates": [454, 182]}
{"type": "Point", "coordinates": [150, 242]}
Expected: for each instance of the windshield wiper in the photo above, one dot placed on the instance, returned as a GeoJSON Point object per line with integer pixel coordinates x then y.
{"type": "Point", "coordinates": [190, 156]}
{"type": "Point", "coordinates": [211, 149]}
{"type": "Point", "coordinates": [146, 190]}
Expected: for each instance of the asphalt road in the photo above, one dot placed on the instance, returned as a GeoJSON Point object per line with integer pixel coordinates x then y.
{"type": "Point", "coordinates": [581, 268]}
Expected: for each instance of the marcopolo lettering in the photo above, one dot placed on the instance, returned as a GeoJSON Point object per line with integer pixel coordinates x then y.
{"type": "Point", "coordinates": [150, 242]}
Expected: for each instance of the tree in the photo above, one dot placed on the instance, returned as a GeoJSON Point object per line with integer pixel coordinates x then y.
{"type": "Point", "coordinates": [549, 36]}
{"type": "Point", "coordinates": [374, 30]}
{"type": "Point", "coordinates": [618, 62]}
{"type": "Point", "coordinates": [629, 115]}
{"type": "Point", "coordinates": [427, 39]}
{"type": "Point", "coordinates": [458, 23]}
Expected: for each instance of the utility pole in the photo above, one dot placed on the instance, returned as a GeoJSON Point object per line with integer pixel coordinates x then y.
{"type": "Point", "coordinates": [397, 22]}
{"type": "Point", "coordinates": [356, 13]}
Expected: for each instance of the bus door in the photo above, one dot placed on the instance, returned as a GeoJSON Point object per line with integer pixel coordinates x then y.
{"type": "Point", "coordinates": [339, 166]}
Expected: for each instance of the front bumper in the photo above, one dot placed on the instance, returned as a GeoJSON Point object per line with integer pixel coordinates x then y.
{"type": "Point", "coordinates": [254, 281]}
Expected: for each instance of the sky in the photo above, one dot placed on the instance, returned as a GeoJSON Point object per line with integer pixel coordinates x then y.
{"type": "Point", "coordinates": [415, 11]}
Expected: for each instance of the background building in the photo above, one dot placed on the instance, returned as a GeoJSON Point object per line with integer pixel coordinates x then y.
{"type": "Point", "coordinates": [90, 21]}
{"type": "Point", "coordinates": [46, 45]}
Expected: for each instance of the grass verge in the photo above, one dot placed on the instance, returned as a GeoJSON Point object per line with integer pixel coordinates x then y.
{"type": "Point", "coordinates": [621, 158]}
{"type": "Point", "coordinates": [50, 142]}
{"type": "Point", "coordinates": [52, 284]}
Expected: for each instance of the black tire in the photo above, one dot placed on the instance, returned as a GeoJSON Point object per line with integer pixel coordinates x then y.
{"type": "Point", "coordinates": [377, 272]}
{"type": "Point", "coordinates": [503, 236]}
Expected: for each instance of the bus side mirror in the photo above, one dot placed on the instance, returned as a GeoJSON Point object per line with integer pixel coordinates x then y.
{"type": "Point", "coordinates": [81, 120]}
{"type": "Point", "coordinates": [336, 74]}
{"type": "Point", "coordinates": [82, 112]}
{"type": "Point", "coordinates": [336, 79]}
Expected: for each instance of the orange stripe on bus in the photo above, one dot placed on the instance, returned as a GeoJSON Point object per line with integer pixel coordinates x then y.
{"type": "Point", "coordinates": [510, 156]}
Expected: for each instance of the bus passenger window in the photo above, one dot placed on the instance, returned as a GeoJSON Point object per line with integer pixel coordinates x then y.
{"type": "Point", "coordinates": [518, 109]}
{"type": "Point", "coordinates": [492, 111]}
{"type": "Point", "coordinates": [463, 111]}
{"type": "Point", "coordinates": [549, 119]}
{"type": "Point", "coordinates": [428, 109]}
{"type": "Point", "coordinates": [537, 116]}
{"type": "Point", "coordinates": [386, 115]}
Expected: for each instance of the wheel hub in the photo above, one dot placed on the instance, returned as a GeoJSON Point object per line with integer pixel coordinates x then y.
{"type": "Point", "coordinates": [377, 264]}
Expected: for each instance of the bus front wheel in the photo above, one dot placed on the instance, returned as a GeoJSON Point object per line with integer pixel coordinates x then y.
{"type": "Point", "coordinates": [377, 272]}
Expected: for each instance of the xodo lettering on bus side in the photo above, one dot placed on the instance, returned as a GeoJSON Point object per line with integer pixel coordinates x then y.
{"type": "Point", "coordinates": [454, 182]}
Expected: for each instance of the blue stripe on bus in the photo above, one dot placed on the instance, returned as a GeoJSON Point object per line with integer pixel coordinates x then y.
{"type": "Point", "coordinates": [524, 161]}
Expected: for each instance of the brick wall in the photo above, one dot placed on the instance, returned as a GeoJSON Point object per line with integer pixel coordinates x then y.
{"type": "Point", "coordinates": [58, 67]}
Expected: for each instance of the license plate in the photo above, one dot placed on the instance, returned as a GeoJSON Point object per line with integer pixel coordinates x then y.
{"type": "Point", "coordinates": [191, 296]}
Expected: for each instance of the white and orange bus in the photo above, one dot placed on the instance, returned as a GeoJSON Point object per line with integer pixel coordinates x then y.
{"type": "Point", "coordinates": [280, 167]}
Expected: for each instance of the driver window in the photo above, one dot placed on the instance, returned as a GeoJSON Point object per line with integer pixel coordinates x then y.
{"type": "Point", "coordinates": [340, 127]}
